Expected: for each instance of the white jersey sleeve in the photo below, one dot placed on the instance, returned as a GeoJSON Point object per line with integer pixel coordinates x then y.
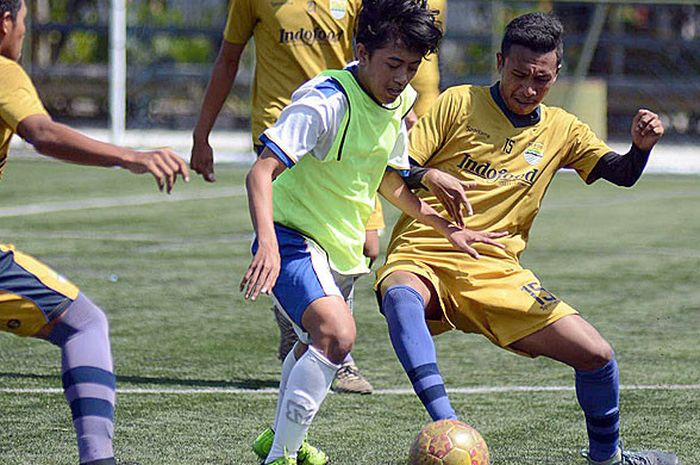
{"type": "Point", "coordinates": [309, 124]}
{"type": "Point", "coordinates": [398, 159]}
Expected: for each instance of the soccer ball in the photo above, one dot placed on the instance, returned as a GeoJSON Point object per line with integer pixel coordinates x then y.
{"type": "Point", "coordinates": [448, 442]}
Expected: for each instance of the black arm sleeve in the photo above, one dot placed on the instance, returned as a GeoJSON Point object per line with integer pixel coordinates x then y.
{"type": "Point", "coordinates": [416, 173]}
{"type": "Point", "coordinates": [622, 170]}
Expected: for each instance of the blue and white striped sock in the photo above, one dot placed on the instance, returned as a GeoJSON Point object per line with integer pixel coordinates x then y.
{"type": "Point", "coordinates": [89, 383]}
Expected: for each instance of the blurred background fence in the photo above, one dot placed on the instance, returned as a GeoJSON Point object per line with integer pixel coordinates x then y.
{"type": "Point", "coordinates": [619, 56]}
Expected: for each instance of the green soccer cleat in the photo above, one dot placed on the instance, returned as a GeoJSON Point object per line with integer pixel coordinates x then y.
{"type": "Point", "coordinates": [284, 461]}
{"type": "Point", "coordinates": [642, 457]}
{"type": "Point", "coordinates": [307, 454]}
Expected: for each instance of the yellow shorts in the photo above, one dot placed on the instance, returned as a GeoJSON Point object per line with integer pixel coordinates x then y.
{"type": "Point", "coordinates": [376, 219]}
{"type": "Point", "coordinates": [493, 297]}
{"type": "Point", "coordinates": [31, 293]}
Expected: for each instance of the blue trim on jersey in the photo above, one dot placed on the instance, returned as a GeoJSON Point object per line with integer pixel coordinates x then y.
{"type": "Point", "coordinates": [91, 407]}
{"type": "Point", "coordinates": [329, 87]}
{"type": "Point", "coordinates": [92, 375]}
{"type": "Point", "coordinates": [17, 280]}
{"type": "Point", "coordinates": [518, 121]}
{"type": "Point", "coordinates": [402, 173]}
{"type": "Point", "coordinates": [274, 148]}
{"type": "Point", "coordinates": [298, 284]}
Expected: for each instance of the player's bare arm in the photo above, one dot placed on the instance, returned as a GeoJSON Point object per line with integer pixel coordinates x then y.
{"type": "Point", "coordinates": [222, 78]}
{"type": "Point", "coordinates": [59, 141]}
{"type": "Point", "coordinates": [395, 190]}
{"type": "Point", "coordinates": [265, 267]}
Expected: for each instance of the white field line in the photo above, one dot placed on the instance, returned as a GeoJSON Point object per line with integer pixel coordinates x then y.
{"type": "Point", "coordinates": [391, 392]}
{"type": "Point", "coordinates": [125, 201]}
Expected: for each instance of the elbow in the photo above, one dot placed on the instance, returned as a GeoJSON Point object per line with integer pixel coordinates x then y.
{"type": "Point", "coordinates": [629, 181]}
{"type": "Point", "coordinates": [43, 137]}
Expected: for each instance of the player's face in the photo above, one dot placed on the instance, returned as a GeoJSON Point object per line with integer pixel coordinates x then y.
{"type": "Point", "coordinates": [526, 77]}
{"type": "Point", "coordinates": [14, 31]}
{"type": "Point", "coordinates": [387, 71]}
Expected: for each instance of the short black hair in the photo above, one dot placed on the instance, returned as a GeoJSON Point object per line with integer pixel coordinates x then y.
{"type": "Point", "coordinates": [539, 32]}
{"type": "Point", "coordinates": [408, 23]}
{"type": "Point", "coordinates": [11, 6]}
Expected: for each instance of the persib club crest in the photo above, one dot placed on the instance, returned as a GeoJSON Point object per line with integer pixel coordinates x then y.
{"type": "Point", "coordinates": [338, 8]}
{"type": "Point", "coordinates": [534, 153]}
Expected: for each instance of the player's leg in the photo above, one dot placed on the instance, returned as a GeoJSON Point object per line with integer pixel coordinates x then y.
{"type": "Point", "coordinates": [88, 378]}
{"type": "Point", "coordinates": [407, 300]}
{"type": "Point", "coordinates": [575, 342]}
{"type": "Point", "coordinates": [332, 333]}
{"type": "Point", "coordinates": [35, 301]}
{"type": "Point", "coordinates": [349, 379]}
{"type": "Point", "coordinates": [305, 278]}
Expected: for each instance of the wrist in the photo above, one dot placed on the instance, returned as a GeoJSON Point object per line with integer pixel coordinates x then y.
{"type": "Point", "coordinates": [128, 159]}
{"type": "Point", "coordinates": [200, 135]}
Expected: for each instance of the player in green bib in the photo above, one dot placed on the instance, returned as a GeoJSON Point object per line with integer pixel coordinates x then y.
{"type": "Point", "coordinates": [311, 191]}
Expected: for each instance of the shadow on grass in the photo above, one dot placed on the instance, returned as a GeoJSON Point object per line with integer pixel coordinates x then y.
{"type": "Point", "coordinates": [204, 383]}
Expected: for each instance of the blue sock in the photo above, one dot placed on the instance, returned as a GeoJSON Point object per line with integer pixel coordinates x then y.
{"type": "Point", "coordinates": [598, 393]}
{"type": "Point", "coordinates": [403, 309]}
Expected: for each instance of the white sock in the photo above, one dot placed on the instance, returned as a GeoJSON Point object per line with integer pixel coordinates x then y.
{"type": "Point", "coordinates": [289, 362]}
{"type": "Point", "coordinates": [308, 384]}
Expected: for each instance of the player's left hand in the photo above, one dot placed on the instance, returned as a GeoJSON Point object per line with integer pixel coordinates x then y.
{"type": "Point", "coordinates": [647, 129]}
{"type": "Point", "coordinates": [450, 192]}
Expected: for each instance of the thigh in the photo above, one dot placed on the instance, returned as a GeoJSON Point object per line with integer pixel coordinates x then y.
{"type": "Point", "coordinates": [305, 276]}
{"type": "Point", "coordinates": [31, 293]}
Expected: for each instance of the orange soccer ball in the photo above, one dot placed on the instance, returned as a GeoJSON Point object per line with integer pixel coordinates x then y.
{"type": "Point", "coordinates": [448, 442]}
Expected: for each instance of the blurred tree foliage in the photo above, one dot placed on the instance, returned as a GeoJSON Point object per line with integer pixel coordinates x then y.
{"type": "Point", "coordinates": [160, 31]}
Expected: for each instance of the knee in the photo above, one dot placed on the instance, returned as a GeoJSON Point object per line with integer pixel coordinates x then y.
{"type": "Point", "coordinates": [336, 344]}
{"type": "Point", "coordinates": [371, 251]}
{"type": "Point", "coordinates": [596, 356]}
{"type": "Point", "coordinates": [341, 345]}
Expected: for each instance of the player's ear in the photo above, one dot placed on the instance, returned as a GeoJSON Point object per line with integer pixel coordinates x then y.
{"type": "Point", "coordinates": [499, 61]}
{"type": "Point", "coordinates": [7, 22]}
{"type": "Point", "coordinates": [362, 54]}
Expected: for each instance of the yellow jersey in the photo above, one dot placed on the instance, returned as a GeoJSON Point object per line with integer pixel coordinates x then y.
{"type": "Point", "coordinates": [470, 134]}
{"type": "Point", "coordinates": [18, 100]}
{"type": "Point", "coordinates": [427, 79]}
{"type": "Point", "coordinates": [294, 41]}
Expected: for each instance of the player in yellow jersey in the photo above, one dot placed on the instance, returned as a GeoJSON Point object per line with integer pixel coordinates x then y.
{"type": "Point", "coordinates": [427, 80]}
{"type": "Point", "coordinates": [511, 145]}
{"type": "Point", "coordinates": [35, 301]}
{"type": "Point", "coordinates": [294, 41]}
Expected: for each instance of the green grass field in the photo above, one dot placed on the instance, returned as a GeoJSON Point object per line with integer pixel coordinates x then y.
{"type": "Point", "coordinates": [190, 353]}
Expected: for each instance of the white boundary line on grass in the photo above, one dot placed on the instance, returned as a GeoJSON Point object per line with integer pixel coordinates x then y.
{"type": "Point", "coordinates": [397, 391]}
{"type": "Point", "coordinates": [125, 201]}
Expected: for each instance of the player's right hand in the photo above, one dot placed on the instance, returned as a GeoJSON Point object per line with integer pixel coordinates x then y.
{"type": "Point", "coordinates": [202, 160]}
{"type": "Point", "coordinates": [262, 273]}
{"type": "Point", "coordinates": [450, 191]}
{"type": "Point", "coordinates": [464, 238]}
{"type": "Point", "coordinates": [164, 164]}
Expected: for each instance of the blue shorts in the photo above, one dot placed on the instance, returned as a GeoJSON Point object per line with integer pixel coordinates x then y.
{"type": "Point", "coordinates": [305, 275]}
